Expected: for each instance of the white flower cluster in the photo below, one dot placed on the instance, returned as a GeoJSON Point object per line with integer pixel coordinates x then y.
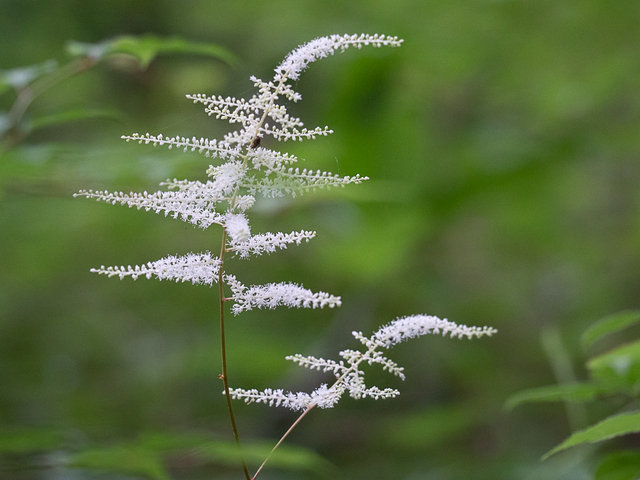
{"type": "Point", "coordinates": [275, 295]}
{"type": "Point", "coordinates": [269, 242]}
{"type": "Point", "coordinates": [415, 326]}
{"type": "Point", "coordinates": [349, 377]}
{"type": "Point", "coordinates": [200, 268]}
{"type": "Point", "coordinates": [300, 58]}
{"type": "Point", "coordinates": [238, 228]}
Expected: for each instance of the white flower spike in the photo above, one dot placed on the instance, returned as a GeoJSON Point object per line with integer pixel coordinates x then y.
{"type": "Point", "coordinates": [349, 377]}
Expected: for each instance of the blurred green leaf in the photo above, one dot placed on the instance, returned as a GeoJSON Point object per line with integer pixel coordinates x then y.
{"type": "Point", "coordinates": [5, 123]}
{"type": "Point", "coordinates": [29, 440]}
{"type": "Point", "coordinates": [166, 442]}
{"type": "Point", "coordinates": [564, 373]}
{"type": "Point", "coordinates": [226, 452]}
{"type": "Point", "coordinates": [92, 50]}
{"type": "Point", "coordinates": [128, 459]}
{"type": "Point", "coordinates": [144, 456]}
{"type": "Point", "coordinates": [429, 427]}
{"type": "Point", "coordinates": [285, 456]}
{"type": "Point", "coordinates": [608, 325]}
{"type": "Point", "coordinates": [621, 365]}
{"type": "Point", "coordinates": [19, 78]}
{"type": "Point", "coordinates": [147, 47]}
{"type": "Point", "coordinates": [610, 427]}
{"type": "Point", "coordinates": [577, 392]}
{"type": "Point", "coordinates": [619, 466]}
{"type": "Point", "coordinates": [76, 114]}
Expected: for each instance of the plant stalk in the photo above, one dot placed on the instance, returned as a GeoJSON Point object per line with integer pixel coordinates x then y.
{"type": "Point", "coordinates": [223, 350]}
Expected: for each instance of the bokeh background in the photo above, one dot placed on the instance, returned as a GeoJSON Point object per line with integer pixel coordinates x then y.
{"type": "Point", "coordinates": [502, 141]}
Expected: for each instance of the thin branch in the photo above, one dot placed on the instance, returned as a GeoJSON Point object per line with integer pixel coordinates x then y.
{"type": "Point", "coordinates": [282, 439]}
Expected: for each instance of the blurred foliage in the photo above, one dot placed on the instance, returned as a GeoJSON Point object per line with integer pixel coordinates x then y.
{"type": "Point", "coordinates": [146, 456]}
{"type": "Point", "coordinates": [502, 142]}
{"type": "Point", "coordinates": [614, 376]}
{"type": "Point", "coordinates": [32, 81]}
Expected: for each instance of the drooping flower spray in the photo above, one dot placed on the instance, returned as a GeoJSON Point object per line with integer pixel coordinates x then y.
{"type": "Point", "coordinates": [243, 171]}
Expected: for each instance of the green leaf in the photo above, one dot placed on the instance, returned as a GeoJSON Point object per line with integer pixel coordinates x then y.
{"type": "Point", "coordinates": [161, 442]}
{"type": "Point", "coordinates": [619, 466]}
{"type": "Point", "coordinates": [147, 47]}
{"type": "Point", "coordinates": [72, 115]}
{"type": "Point", "coordinates": [575, 392]}
{"type": "Point", "coordinates": [608, 428]}
{"type": "Point", "coordinates": [18, 78]}
{"type": "Point", "coordinates": [93, 50]}
{"type": "Point", "coordinates": [5, 123]}
{"type": "Point", "coordinates": [620, 366]}
{"type": "Point", "coordinates": [290, 457]}
{"type": "Point", "coordinates": [150, 447]}
{"type": "Point", "coordinates": [285, 456]}
{"type": "Point", "coordinates": [608, 325]}
{"type": "Point", "coordinates": [428, 427]}
{"type": "Point", "coordinates": [30, 440]}
{"type": "Point", "coordinates": [127, 459]}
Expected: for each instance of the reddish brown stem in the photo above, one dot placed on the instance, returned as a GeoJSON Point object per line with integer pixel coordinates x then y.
{"type": "Point", "coordinates": [223, 350]}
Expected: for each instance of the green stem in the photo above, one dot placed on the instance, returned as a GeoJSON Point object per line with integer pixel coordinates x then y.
{"type": "Point", "coordinates": [223, 350]}
{"type": "Point", "coordinates": [282, 439]}
{"type": "Point", "coordinates": [563, 371]}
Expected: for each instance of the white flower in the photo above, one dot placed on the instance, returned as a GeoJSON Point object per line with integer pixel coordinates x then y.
{"type": "Point", "coordinates": [414, 326]}
{"type": "Point", "coordinates": [261, 115]}
{"type": "Point", "coordinates": [244, 202]}
{"type": "Point", "coordinates": [269, 242]}
{"type": "Point", "coordinates": [211, 148]}
{"type": "Point", "coordinates": [193, 202]}
{"type": "Point", "coordinates": [294, 181]}
{"type": "Point", "coordinates": [237, 227]}
{"type": "Point", "coordinates": [269, 160]}
{"type": "Point", "coordinates": [349, 377]}
{"type": "Point", "coordinates": [322, 47]}
{"type": "Point", "coordinates": [274, 295]}
{"type": "Point", "coordinates": [274, 398]}
{"type": "Point", "coordinates": [227, 176]}
{"type": "Point", "coordinates": [194, 268]}
{"type": "Point", "coordinates": [325, 397]}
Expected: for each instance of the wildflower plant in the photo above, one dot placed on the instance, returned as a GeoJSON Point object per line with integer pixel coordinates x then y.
{"type": "Point", "coordinates": [244, 170]}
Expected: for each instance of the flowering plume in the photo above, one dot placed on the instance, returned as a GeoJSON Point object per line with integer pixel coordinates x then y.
{"type": "Point", "coordinates": [276, 294]}
{"type": "Point", "coordinates": [243, 170]}
{"type": "Point", "coordinates": [349, 377]}
{"type": "Point", "coordinates": [201, 268]}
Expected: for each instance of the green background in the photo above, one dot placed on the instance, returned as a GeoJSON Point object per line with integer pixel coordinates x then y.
{"type": "Point", "coordinates": [502, 142]}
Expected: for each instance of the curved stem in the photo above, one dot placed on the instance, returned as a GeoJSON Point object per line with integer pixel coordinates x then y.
{"type": "Point", "coordinates": [223, 350]}
{"type": "Point", "coordinates": [283, 437]}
